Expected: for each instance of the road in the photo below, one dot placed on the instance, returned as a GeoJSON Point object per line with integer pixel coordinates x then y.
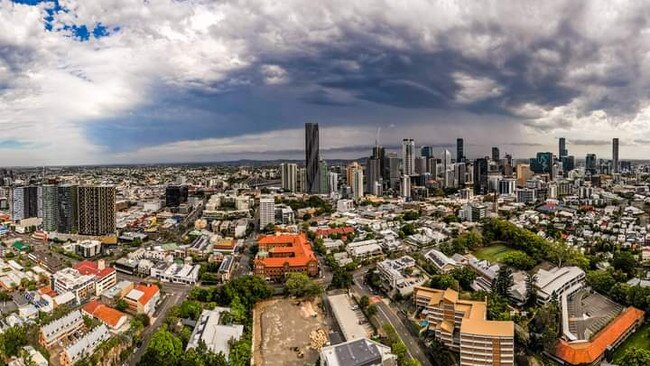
{"type": "Point", "coordinates": [174, 294]}
{"type": "Point", "coordinates": [387, 314]}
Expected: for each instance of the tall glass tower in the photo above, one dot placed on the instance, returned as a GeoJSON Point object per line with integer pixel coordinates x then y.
{"type": "Point", "coordinates": [312, 158]}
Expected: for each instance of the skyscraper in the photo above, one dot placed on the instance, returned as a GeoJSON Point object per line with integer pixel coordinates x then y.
{"type": "Point", "coordinates": [67, 221]}
{"type": "Point", "coordinates": [289, 176]}
{"type": "Point", "coordinates": [496, 155]}
{"type": "Point", "coordinates": [615, 155]}
{"type": "Point", "coordinates": [591, 164]}
{"type": "Point", "coordinates": [408, 158]}
{"type": "Point", "coordinates": [312, 158]}
{"type": "Point", "coordinates": [24, 203]}
{"type": "Point", "coordinates": [543, 163]}
{"type": "Point", "coordinates": [393, 170]}
{"type": "Point", "coordinates": [426, 151]}
{"type": "Point", "coordinates": [357, 183]}
{"type": "Point", "coordinates": [563, 151]}
{"type": "Point", "coordinates": [324, 176]}
{"type": "Point", "coordinates": [373, 176]}
{"type": "Point", "coordinates": [48, 206]}
{"type": "Point", "coordinates": [481, 167]}
{"type": "Point", "coordinates": [96, 210]}
{"type": "Point", "coordinates": [175, 195]}
{"type": "Point", "coordinates": [460, 149]}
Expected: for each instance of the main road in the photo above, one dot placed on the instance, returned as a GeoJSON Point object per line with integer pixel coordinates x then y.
{"type": "Point", "coordinates": [386, 314]}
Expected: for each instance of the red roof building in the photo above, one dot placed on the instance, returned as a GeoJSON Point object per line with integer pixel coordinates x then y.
{"type": "Point", "coordinates": [113, 318]}
{"type": "Point", "coordinates": [282, 254]}
{"type": "Point", "coordinates": [324, 233]}
{"type": "Point", "coordinates": [105, 277]}
{"type": "Point", "coordinates": [142, 299]}
{"type": "Point", "coordinates": [588, 353]}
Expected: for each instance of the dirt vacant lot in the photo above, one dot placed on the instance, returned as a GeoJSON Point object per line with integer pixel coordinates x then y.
{"type": "Point", "coordinates": [282, 329]}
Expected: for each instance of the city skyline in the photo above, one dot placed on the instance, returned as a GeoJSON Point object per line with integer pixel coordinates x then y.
{"type": "Point", "coordinates": [81, 83]}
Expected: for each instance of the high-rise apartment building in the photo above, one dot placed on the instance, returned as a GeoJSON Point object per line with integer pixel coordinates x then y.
{"type": "Point", "coordinates": [357, 183]}
{"type": "Point", "coordinates": [289, 176]}
{"type": "Point", "coordinates": [333, 182]}
{"type": "Point", "coordinates": [324, 175]}
{"type": "Point", "coordinates": [24, 203]}
{"type": "Point", "coordinates": [523, 173]}
{"type": "Point", "coordinates": [67, 221]}
{"type": "Point", "coordinates": [312, 158]}
{"type": "Point", "coordinates": [615, 155]}
{"type": "Point", "coordinates": [48, 206]}
{"type": "Point", "coordinates": [460, 149]}
{"type": "Point", "coordinates": [408, 157]}
{"type": "Point", "coordinates": [267, 211]}
{"type": "Point", "coordinates": [393, 170]}
{"type": "Point", "coordinates": [373, 173]}
{"type": "Point", "coordinates": [96, 210]}
{"type": "Point", "coordinates": [426, 151]}
{"type": "Point", "coordinates": [562, 148]}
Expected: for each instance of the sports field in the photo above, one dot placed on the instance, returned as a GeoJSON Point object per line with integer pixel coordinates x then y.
{"type": "Point", "coordinates": [494, 253]}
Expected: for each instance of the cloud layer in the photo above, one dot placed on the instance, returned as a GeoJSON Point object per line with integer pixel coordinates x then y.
{"type": "Point", "coordinates": [137, 81]}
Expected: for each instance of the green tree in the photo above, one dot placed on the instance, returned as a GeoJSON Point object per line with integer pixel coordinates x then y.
{"type": "Point", "coordinates": [240, 353]}
{"type": "Point", "coordinates": [635, 357]}
{"type": "Point", "coordinates": [531, 291]}
{"type": "Point", "coordinates": [601, 280]}
{"type": "Point", "coordinates": [364, 301]}
{"type": "Point", "coordinates": [238, 311]}
{"type": "Point", "coordinates": [121, 305]}
{"type": "Point", "coordinates": [163, 349]}
{"type": "Point", "coordinates": [12, 340]}
{"type": "Point", "coordinates": [625, 262]}
{"type": "Point", "coordinates": [190, 309]}
{"type": "Point", "coordinates": [503, 282]}
{"type": "Point", "coordinates": [371, 310]}
{"type": "Point", "coordinates": [299, 284]}
{"type": "Point", "coordinates": [519, 260]}
{"type": "Point", "coordinates": [465, 276]}
{"type": "Point", "coordinates": [443, 282]}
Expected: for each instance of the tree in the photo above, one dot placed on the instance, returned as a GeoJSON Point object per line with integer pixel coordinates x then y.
{"type": "Point", "coordinates": [601, 280]}
{"type": "Point", "coordinates": [371, 310]}
{"type": "Point", "coordinates": [240, 353]}
{"type": "Point", "coordinates": [443, 282]}
{"type": "Point", "coordinates": [399, 349]}
{"type": "Point", "coordinates": [624, 261]}
{"type": "Point", "coordinates": [237, 310]}
{"type": "Point", "coordinates": [299, 284]}
{"type": "Point", "coordinates": [465, 276]}
{"type": "Point", "coordinates": [503, 282]}
{"type": "Point", "coordinates": [531, 291]}
{"type": "Point", "coordinates": [121, 305]}
{"type": "Point", "coordinates": [519, 260]}
{"type": "Point", "coordinates": [364, 301]}
{"type": "Point", "coordinates": [341, 278]}
{"type": "Point", "coordinates": [190, 309]}
{"type": "Point", "coordinates": [635, 357]}
{"type": "Point", "coordinates": [12, 340]}
{"type": "Point", "coordinates": [164, 349]}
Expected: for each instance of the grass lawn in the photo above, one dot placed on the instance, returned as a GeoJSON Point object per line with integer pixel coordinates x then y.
{"type": "Point", "coordinates": [493, 253]}
{"type": "Point", "coordinates": [640, 339]}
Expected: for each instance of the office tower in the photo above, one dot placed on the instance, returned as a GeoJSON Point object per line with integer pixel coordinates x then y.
{"type": "Point", "coordinates": [48, 206]}
{"type": "Point", "coordinates": [393, 170]}
{"type": "Point", "coordinates": [445, 156]}
{"type": "Point", "coordinates": [96, 210]}
{"type": "Point", "coordinates": [543, 163]}
{"type": "Point", "coordinates": [379, 153]}
{"type": "Point", "coordinates": [523, 173]}
{"type": "Point", "coordinates": [590, 164]}
{"type": "Point", "coordinates": [568, 163]}
{"type": "Point", "coordinates": [481, 176]}
{"type": "Point", "coordinates": [461, 173]}
{"type": "Point", "coordinates": [175, 195]}
{"type": "Point", "coordinates": [460, 149]}
{"type": "Point", "coordinates": [563, 151]}
{"type": "Point", "coordinates": [373, 173]}
{"type": "Point", "coordinates": [349, 172]}
{"type": "Point", "coordinates": [333, 182]}
{"type": "Point", "coordinates": [426, 151]}
{"type": "Point", "coordinates": [357, 184]}
{"type": "Point", "coordinates": [24, 203]}
{"type": "Point", "coordinates": [432, 166]}
{"type": "Point", "coordinates": [405, 187]}
{"type": "Point", "coordinates": [615, 155]}
{"type": "Point", "coordinates": [420, 165]}
{"type": "Point", "coordinates": [496, 155]}
{"type": "Point", "coordinates": [507, 186]}
{"type": "Point", "coordinates": [67, 221]}
{"type": "Point", "coordinates": [323, 174]}
{"type": "Point", "coordinates": [289, 176]}
{"type": "Point", "coordinates": [267, 211]}
{"type": "Point", "coordinates": [408, 158]}
{"type": "Point", "coordinates": [301, 181]}
{"type": "Point", "coordinates": [312, 157]}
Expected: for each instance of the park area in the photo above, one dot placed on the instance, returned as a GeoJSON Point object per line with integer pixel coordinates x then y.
{"type": "Point", "coordinates": [640, 339]}
{"type": "Point", "coordinates": [288, 332]}
{"type": "Point", "coordinates": [494, 253]}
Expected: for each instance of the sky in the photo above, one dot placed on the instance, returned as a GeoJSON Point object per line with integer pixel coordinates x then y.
{"type": "Point", "coordinates": [140, 81]}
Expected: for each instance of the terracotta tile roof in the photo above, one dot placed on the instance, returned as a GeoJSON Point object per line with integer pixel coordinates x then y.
{"type": "Point", "coordinates": [47, 290]}
{"type": "Point", "coordinates": [295, 250]}
{"type": "Point", "coordinates": [90, 268]}
{"type": "Point", "coordinates": [590, 352]}
{"type": "Point", "coordinates": [336, 230]}
{"type": "Point", "coordinates": [105, 314]}
{"type": "Point", "coordinates": [148, 292]}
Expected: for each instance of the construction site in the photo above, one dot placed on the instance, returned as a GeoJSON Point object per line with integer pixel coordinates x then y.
{"type": "Point", "coordinates": [288, 332]}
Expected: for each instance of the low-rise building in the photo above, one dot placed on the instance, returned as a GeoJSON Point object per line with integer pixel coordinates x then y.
{"type": "Point", "coordinates": [216, 337]}
{"type": "Point", "coordinates": [440, 260]}
{"type": "Point", "coordinates": [282, 254]}
{"type": "Point", "coordinates": [84, 346]}
{"type": "Point", "coordinates": [142, 299]}
{"type": "Point", "coordinates": [357, 352]}
{"type": "Point", "coordinates": [113, 318]}
{"type": "Point", "coordinates": [558, 281]}
{"type": "Point", "coordinates": [60, 328]}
